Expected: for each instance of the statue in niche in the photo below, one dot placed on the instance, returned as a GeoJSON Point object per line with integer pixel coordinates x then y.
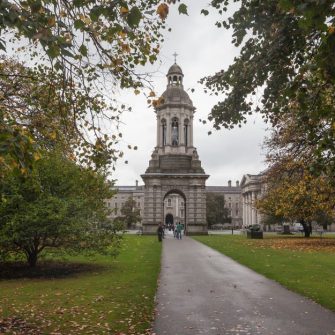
{"type": "Point", "coordinates": [174, 133]}
{"type": "Point", "coordinates": [164, 133]}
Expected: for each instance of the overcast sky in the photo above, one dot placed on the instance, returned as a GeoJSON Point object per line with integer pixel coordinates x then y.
{"type": "Point", "coordinates": [203, 49]}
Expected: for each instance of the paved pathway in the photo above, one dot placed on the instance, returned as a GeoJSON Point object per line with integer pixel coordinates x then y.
{"type": "Point", "coordinates": [204, 292]}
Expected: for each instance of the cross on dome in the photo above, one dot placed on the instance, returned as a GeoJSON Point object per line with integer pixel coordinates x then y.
{"type": "Point", "coordinates": [175, 57]}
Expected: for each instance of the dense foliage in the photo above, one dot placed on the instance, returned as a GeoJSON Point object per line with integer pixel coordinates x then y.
{"type": "Point", "coordinates": [293, 193]}
{"type": "Point", "coordinates": [131, 213]}
{"type": "Point", "coordinates": [79, 54]}
{"type": "Point", "coordinates": [56, 205]}
{"type": "Point", "coordinates": [216, 212]}
{"type": "Point", "coordinates": [286, 64]}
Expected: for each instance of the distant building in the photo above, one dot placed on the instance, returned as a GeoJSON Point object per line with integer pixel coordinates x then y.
{"type": "Point", "coordinates": [251, 190]}
{"type": "Point", "coordinates": [174, 206]}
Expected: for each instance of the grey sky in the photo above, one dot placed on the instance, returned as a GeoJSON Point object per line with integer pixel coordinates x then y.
{"type": "Point", "coordinates": [203, 49]}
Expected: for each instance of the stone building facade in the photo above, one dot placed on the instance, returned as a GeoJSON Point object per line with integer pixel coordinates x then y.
{"type": "Point", "coordinates": [251, 190]}
{"type": "Point", "coordinates": [174, 206]}
{"type": "Point", "coordinates": [175, 167]}
{"type": "Point", "coordinates": [233, 200]}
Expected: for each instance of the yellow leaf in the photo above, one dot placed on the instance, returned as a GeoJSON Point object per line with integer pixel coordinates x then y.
{"type": "Point", "coordinates": [122, 34]}
{"type": "Point", "coordinates": [331, 30]}
{"type": "Point", "coordinates": [36, 156]}
{"type": "Point", "coordinates": [53, 135]}
{"type": "Point", "coordinates": [85, 18]}
{"type": "Point", "coordinates": [125, 48]}
{"type": "Point", "coordinates": [51, 21]}
{"type": "Point", "coordinates": [124, 10]}
{"type": "Point", "coordinates": [137, 92]}
{"type": "Point", "coordinates": [163, 10]}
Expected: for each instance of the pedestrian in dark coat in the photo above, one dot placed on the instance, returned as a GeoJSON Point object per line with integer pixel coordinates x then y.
{"type": "Point", "coordinates": [160, 232]}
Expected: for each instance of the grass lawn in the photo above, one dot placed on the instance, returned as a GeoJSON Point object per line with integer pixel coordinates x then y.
{"type": "Point", "coordinates": [107, 296]}
{"type": "Point", "coordinates": [306, 266]}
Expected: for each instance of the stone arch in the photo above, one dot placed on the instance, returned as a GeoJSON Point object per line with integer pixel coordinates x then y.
{"type": "Point", "coordinates": [183, 207]}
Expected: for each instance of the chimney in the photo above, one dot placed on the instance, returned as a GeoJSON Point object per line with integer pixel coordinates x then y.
{"type": "Point", "coordinates": [229, 183]}
{"type": "Point", "coordinates": [136, 183]}
{"type": "Point", "coordinates": [237, 183]}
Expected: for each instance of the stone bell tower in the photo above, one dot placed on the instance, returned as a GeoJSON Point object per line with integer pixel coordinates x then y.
{"type": "Point", "coordinates": [174, 167]}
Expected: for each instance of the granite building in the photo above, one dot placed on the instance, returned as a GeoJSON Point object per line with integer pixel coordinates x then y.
{"type": "Point", "coordinates": [174, 206]}
{"type": "Point", "coordinates": [175, 167]}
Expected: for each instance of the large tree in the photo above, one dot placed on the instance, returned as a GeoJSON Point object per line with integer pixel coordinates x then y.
{"type": "Point", "coordinates": [295, 194]}
{"type": "Point", "coordinates": [216, 211]}
{"type": "Point", "coordinates": [286, 62]}
{"type": "Point", "coordinates": [36, 111]}
{"type": "Point", "coordinates": [55, 205]}
{"type": "Point", "coordinates": [90, 49]}
{"type": "Point", "coordinates": [131, 214]}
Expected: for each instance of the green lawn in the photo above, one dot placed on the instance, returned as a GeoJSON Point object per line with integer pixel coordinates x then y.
{"type": "Point", "coordinates": [306, 267]}
{"type": "Point", "coordinates": [116, 295]}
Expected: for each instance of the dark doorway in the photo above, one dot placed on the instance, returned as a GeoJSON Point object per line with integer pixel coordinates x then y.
{"type": "Point", "coordinates": [169, 220]}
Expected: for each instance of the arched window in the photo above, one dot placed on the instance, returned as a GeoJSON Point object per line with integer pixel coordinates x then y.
{"type": "Point", "coordinates": [163, 132]}
{"type": "Point", "coordinates": [174, 132]}
{"type": "Point", "coordinates": [186, 131]}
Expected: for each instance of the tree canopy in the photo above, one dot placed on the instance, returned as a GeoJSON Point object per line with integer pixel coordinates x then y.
{"type": "Point", "coordinates": [295, 194]}
{"type": "Point", "coordinates": [131, 214]}
{"type": "Point", "coordinates": [216, 211]}
{"type": "Point", "coordinates": [286, 63]}
{"type": "Point", "coordinates": [77, 55]}
{"type": "Point", "coordinates": [55, 205]}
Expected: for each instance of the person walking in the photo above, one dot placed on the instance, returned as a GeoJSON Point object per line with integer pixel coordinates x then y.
{"type": "Point", "coordinates": [160, 232]}
{"type": "Point", "coordinates": [174, 229]}
{"type": "Point", "coordinates": [179, 229]}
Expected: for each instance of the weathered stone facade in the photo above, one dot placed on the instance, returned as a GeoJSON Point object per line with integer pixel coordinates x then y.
{"type": "Point", "coordinates": [251, 187]}
{"type": "Point", "coordinates": [175, 167]}
{"type": "Point", "coordinates": [175, 204]}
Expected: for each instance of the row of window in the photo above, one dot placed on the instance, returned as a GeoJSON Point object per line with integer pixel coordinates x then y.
{"type": "Point", "coordinates": [109, 204]}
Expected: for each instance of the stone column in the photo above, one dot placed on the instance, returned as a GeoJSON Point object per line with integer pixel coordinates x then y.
{"type": "Point", "coordinates": [244, 211]}
{"type": "Point", "coordinates": [159, 131]}
{"type": "Point", "coordinates": [168, 130]}
{"type": "Point", "coordinates": [253, 202]}
{"type": "Point", "coordinates": [191, 132]}
{"type": "Point", "coordinates": [249, 209]}
{"type": "Point", "coordinates": [180, 131]}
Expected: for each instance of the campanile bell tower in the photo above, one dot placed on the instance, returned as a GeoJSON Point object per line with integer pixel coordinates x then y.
{"type": "Point", "coordinates": [175, 166]}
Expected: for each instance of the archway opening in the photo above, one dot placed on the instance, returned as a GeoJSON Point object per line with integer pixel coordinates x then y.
{"type": "Point", "coordinates": [174, 206]}
{"type": "Point", "coordinates": [169, 220]}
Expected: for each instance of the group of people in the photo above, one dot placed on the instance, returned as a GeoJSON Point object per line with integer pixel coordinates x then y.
{"type": "Point", "coordinates": [177, 231]}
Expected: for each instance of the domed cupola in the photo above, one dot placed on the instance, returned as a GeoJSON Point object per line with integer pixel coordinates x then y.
{"type": "Point", "coordinates": [174, 93]}
{"type": "Point", "coordinates": [175, 75]}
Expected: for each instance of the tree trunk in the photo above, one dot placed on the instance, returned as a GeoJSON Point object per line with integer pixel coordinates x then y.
{"type": "Point", "coordinates": [307, 228]}
{"type": "Point", "coordinates": [32, 259]}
